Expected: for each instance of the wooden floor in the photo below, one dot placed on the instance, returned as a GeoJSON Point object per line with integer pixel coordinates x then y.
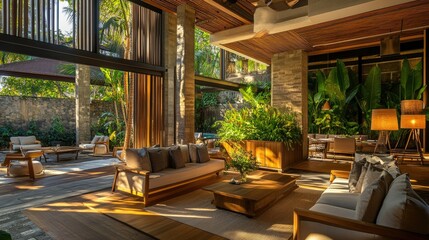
{"type": "Point", "coordinates": [122, 217]}
{"type": "Point", "coordinates": [83, 201]}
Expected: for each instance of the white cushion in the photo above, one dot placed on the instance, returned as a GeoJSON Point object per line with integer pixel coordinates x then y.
{"type": "Point", "coordinates": [134, 183]}
{"type": "Point", "coordinates": [96, 139]}
{"type": "Point", "coordinates": [14, 140]}
{"type": "Point", "coordinates": [341, 198]}
{"type": "Point", "coordinates": [27, 140]}
{"type": "Point", "coordinates": [26, 147]}
{"type": "Point", "coordinates": [403, 208]}
{"type": "Point", "coordinates": [334, 210]}
{"type": "Point", "coordinates": [20, 168]}
{"type": "Point", "coordinates": [371, 199]}
{"type": "Point", "coordinates": [87, 146]}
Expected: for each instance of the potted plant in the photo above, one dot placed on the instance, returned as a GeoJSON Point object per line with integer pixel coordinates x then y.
{"type": "Point", "coordinates": [242, 161]}
{"type": "Point", "coordinates": [272, 135]}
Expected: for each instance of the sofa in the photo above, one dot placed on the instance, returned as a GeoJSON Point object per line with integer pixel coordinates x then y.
{"type": "Point", "coordinates": [24, 142]}
{"type": "Point", "coordinates": [148, 171]}
{"type": "Point", "coordinates": [372, 201]}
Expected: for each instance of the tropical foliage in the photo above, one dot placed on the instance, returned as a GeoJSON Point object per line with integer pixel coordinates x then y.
{"type": "Point", "coordinates": [343, 93]}
{"type": "Point", "coordinates": [259, 121]}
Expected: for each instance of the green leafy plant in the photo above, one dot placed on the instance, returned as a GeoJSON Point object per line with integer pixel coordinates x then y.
{"type": "Point", "coordinates": [242, 161]}
{"type": "Point", "coordinates": [411, 81]}
{"type": "Point", "coordinates": [110, 125]}
{"type": "Point", "coordinates": [259, 121]}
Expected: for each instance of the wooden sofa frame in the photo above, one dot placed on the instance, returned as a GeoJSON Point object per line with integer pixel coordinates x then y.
{"type": "Point", "coordinates": [147, 192]}
{"type": "Point", "coordinates": [351, 224]}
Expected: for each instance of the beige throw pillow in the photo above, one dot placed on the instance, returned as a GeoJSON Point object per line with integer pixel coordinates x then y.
{"type": "Point", "coordinates": [371, 175]}
{"type": "Point", "coordinates": [371, 199]}
{"type": "Point", "coordinates": [203, 154]}
{"type": "Point", "coordinates": [403, 208]}
{"type": "Point", "coordinates": [138, 158]}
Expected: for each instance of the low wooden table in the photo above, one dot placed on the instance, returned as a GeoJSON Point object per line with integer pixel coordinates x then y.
{"type": "Point", "coordinates": [261, 191]}
{"type": "Point", "coordinates": [61, 150]}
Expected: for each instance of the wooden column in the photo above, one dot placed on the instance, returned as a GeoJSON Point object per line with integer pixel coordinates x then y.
{"type": "Point", "coordinates": [425, 95]}
{"type": "Point", "coordinates": [289, 87]}
{"type": "Point", "coordinates": [185, 83]}
{"type": "Point", "coordinates": [82, 95]}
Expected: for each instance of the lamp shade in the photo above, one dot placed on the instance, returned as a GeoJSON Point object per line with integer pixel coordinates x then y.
{"type": "Point", "coordinates": [409, 107]}
{"type": "Point", "coordinates": [384, 120]}
{"type": "Point", "coordinates": [413, 121]}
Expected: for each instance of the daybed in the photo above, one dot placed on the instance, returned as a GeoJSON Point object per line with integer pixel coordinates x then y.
{"type": "Point", "coordinates": [24, 142]}
{"type": "Point", "coordinates": [372, 201]}
{"type": "Point", "coordinates": [148, 171]}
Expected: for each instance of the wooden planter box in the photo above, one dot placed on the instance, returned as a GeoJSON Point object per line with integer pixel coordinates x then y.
{"type": "Point", "coordinates": [271, 155]}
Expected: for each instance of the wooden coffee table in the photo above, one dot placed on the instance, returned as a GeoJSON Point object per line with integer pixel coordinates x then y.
{"type": "Point", "coordinates": [261, 191]}
{"type": "Point", "coordinates": [61, 150]}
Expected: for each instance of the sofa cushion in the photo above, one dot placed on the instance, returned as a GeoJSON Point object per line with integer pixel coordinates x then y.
{"type": "Point", "coordinates": [360, 160]}
{"type": "Point", "coordinates": [359, 183]}
{"type": "Point", "coordinates": [333, 210]}
{"type": "Point", "coordinates": [157, 159]}
{"type": "Point", "coordinates": [339, 198]}
{"type": "Point", "coordinates": [193, 154]}
{"type": "Point", "coordinates": [371, 199]}
{"type": "Point", "coordinates": [138, 158]}
{"type": "Point", "coordinates": [403, 208]}
{"type": "Point", "coordinates": [373, 172]}
{"type": "Point", "coordinates": [185, 152]}
{"type": "Point", "coordinates": [177, 160]}
{"type": "Point", "coordinates": [27, 140]}
{"type": "Point", "coordinates": [134, 183]}
{"type": "Point", "coordinates": [203, 154]}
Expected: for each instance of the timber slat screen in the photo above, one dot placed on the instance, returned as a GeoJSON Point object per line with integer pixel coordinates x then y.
{"type": "Point", "coordinates": [32, 27]}
{"type": "Point", "coordinates": [149, 115]}
{"type": "Point", "coordinates": [39, 20]}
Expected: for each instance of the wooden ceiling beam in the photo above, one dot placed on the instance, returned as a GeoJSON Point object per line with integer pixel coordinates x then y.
{"type": "Point", "coordinates": [233, 10]}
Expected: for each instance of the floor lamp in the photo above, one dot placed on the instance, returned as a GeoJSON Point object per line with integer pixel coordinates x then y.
{"type": "Point", "coordinates": [383, 120]}
{"type": "Point", "coordinates": [415, 123]}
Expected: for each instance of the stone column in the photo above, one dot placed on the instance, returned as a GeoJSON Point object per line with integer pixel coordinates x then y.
{"type": "Point", "coordinates": [185, 84]}
{"type": "Point", "coordinates": [289, 87]}
{"type": "Point", "coordinates": [170, 53]}
{"type": "Point", "coordinates": [82, 94]}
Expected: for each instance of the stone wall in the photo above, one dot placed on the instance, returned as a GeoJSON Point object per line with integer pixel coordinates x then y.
{"type": "Point", "coordinates": [19, 111]}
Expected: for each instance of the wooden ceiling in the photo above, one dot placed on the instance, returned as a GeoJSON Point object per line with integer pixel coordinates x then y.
{"type": "Point", "coordinates": [361, 30]}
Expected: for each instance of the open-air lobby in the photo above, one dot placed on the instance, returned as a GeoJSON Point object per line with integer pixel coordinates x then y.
{"type": "Point", "coordinates": [214, 119]}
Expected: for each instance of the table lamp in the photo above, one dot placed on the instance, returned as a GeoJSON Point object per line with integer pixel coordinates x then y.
{"type": "Point", "coordinates": [415, 123]}
{"type": "Point", "coordinates": [384, 120]}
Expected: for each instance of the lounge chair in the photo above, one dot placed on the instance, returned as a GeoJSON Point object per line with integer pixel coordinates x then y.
{"type": "Point", "coordinates": [99, 145]}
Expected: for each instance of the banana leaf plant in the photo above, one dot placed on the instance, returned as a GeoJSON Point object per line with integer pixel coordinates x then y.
{"type": "Point", "coordinates": [412, 81]}
{"type": "Point", "coordinates": [370, 96]}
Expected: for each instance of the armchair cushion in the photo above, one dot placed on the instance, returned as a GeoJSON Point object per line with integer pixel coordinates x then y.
{"type": "Point", "coordinates": [403, 208]}
{"type": "Point", "coordinates": [27, 140]}
{"type": "Point", "coordinates": [96, 139]}
{"type": "Point", "coordinates": [185, 152]}
{"type": "Point", "coordinates": [15, 140]}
